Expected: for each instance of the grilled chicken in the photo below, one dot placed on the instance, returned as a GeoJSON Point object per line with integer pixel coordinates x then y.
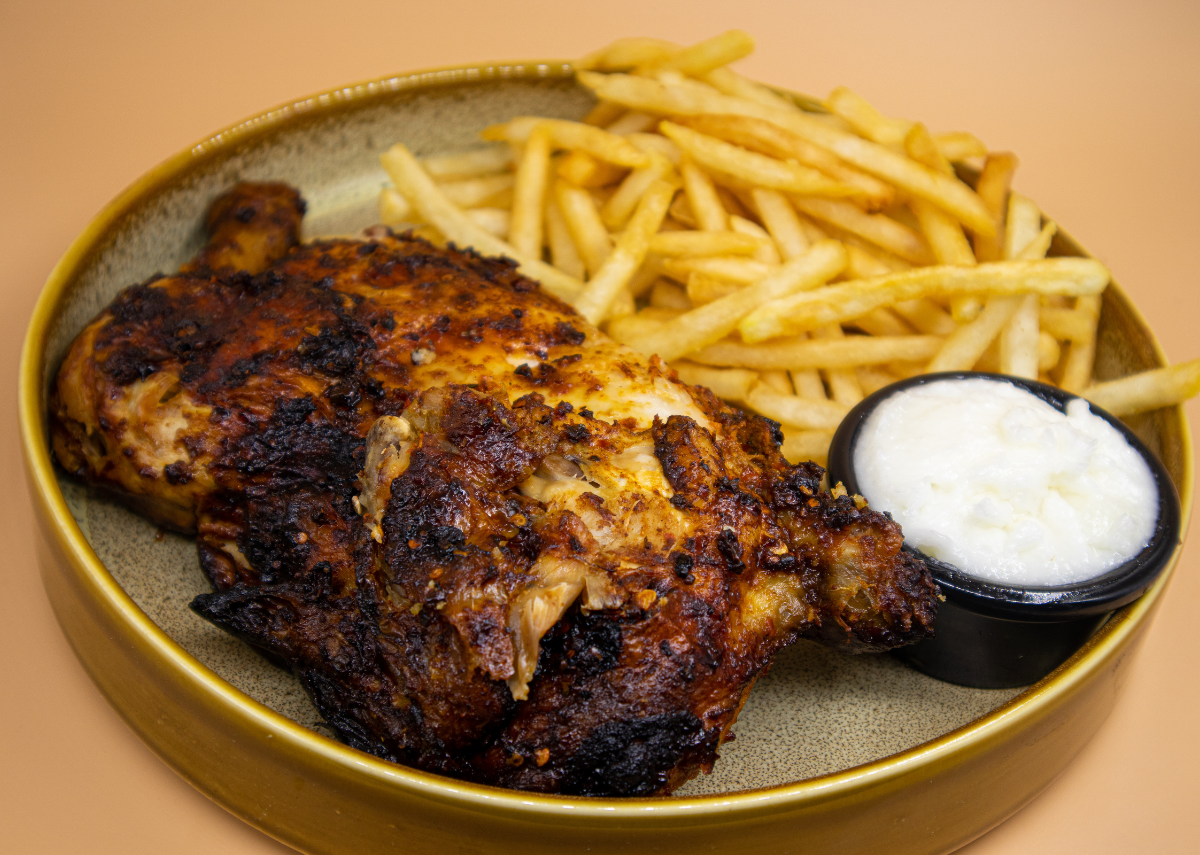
{"type": "Point", "coordinates": [490, 542]}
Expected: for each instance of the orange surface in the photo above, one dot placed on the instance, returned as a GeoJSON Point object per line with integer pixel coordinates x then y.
{"type": "Point", "coordinates": [1099, 99]}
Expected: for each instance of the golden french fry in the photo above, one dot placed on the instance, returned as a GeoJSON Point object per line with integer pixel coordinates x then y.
{"type": "Point", "coordinates": [965, 308]}
{"type": "Point", "coordinates": [777, 381]}
{"type": "Point", "coordinates": [843, 382]}
{"type": "Point", "coordinates": [967, 345]}
{"type": "Point", "coordinates": [703, 243]}
{"type": "Point", "coordinates": [781, 221]}
{"type": "Point", "coordinates": [394, 208]}
{"type": "Point", "coordinates": [563, 253]}
{"type": "Point", "coordinates": [808, 384]}
{"type": "Point", "coordinates": [802, 445]}
{"type": "Point", "coordinates": [620, 206]}
{"type": "Point", "coordinates": [1067, 324]}
{"type": "Point", "coordinates": [495, 221]}
{"type": "Point", "coordinates": [634, 328]}
{"type": "Point", "coordinates": [664, 295]}
{"type": "Point", "coordinates": [957, 146]}
{"type": "Point", "coordinates": [926, 316]}
{"type": "Point", "coordinates": [757, 170]}
{"type": "Point", "coordinates": [848, 300]}
{"type": "Point", "coordinates": [627, 53]}
{"type": "Point", "coordinates": [418, 188]}
{"type": "Point", "coordinates": [660, 144]}
{"type": "Point", "coordinates": [801, 352]}
{"type": "Point", "coordinates": [1139, 393]}
{"type": "Point", "coordinates": [693, 98]}
{"type": "Point", "coordinates": [627, 256]}
{"type": "Point", "coordinates": [728, 268]}
{"type": "Point", "coordinates": [862, 264]}
{"type": "Point", "coordinates": [729, 82]}
{"type": "Point", "coordinates": [1040, 245]}
{"type": "Point", "coordinates": [732, 384]}
{"type": "Point", "coordinates": [920, 145]}
{"type": "Point", "coordinates": [1019, 340]}
{"type": "Point", "coordinates": [597, 142]}
{"type": "Point", "coordinates": [882, 321]}
{"type": "Point", "coordinates": [529, 194]}
{"type": "Point", "coordinates": [1077, 370]}
{"type": "Point", "coordinates": [583, 222]}
{"type": "Point", "coordinates": [717, 319]}
{"type": "Point", "coordinates": [865, 119]}
{"type": "Point", "coordinates": [703, 57]}
{"type": "Point", "coordinates": [472, 192]}
{"type": "Point", "coordinates": [879, 229]}
{"type": "Point", "coordinates": [701, 194]}
{"type": "Point", "coordinates": [1023, 225]}
{"type": "Point", "coordinates": [702, 289]}
{"type": "Point", "coordinates": [872, 378]}
{"type": "Point", "coordinates": [632, 122]}
{"type": "Point", "coordinates": [767, 138]}
{"type": "Point", "coordinates": [468, 164]}
{"type": "Point", "coordinates": [942, 231]}
{"type": "Point", "coordinates": [1049, 352]}
{"type": "Point", "coordinates": [583, 170]}
{"type": "Point", "coordinates": [766, 252]}
{"type": "Point", "coordinates": [603, 114]}
{"type": "Point", "coordinates": [992, 187]}
{"type": "Point", "coordinates": [791, 410]}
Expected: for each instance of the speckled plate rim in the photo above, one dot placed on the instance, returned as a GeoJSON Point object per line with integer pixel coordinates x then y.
{"type": "Point", "coordinates": [1057, 686]}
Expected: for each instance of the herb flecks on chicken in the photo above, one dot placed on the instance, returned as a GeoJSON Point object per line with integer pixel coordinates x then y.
{"type": "Point", "coordinates": [489, 541]}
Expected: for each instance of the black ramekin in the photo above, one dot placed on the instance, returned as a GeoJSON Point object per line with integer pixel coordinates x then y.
{"type": "Point", "coordinates": [995, 636]}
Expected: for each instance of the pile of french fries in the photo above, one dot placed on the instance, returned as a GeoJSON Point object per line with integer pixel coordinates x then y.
{"type": "Point", "coordinates": [793, 257]}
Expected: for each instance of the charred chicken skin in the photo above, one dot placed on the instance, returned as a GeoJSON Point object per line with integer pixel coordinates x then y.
{"type": "Point", "coordinates": [489, 541]}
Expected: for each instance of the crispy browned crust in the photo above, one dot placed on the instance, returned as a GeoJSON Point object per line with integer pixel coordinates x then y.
{"type": "Point", "coordinates": [674, 555]}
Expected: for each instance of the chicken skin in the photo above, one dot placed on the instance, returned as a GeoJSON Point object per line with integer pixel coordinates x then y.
{"type": "Point", "coordinates": [490, 542]}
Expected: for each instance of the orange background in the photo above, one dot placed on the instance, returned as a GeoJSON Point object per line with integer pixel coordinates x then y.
{"type": "Point", "coordinates": [1100, 100]}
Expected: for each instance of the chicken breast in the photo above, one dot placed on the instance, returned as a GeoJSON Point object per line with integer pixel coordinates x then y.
{"type": "Point", "coordinates": [490, 542]}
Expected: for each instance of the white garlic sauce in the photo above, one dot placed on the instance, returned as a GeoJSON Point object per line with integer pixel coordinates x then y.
{"type": "Point", "coordinates": [988, 477]}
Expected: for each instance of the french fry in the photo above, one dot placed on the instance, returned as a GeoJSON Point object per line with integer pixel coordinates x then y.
{"type": "Point", "coordinates": [717, 319]}
{"type": "Point", "coordinates": [1048, 352]}
{"type": "Point", "coordinates": [913, 178]}
{"type": "Point", "coordinates": [843, 382]}
{"type": "Point", "coordinates": [723, 159]}
{"type": "Point", "coordinates": [879, 229]}
{"type": "Point", "coordinates": [703, 57]}
{"type": "Point", "coordinates": [1077, 370]}
{"type": "Point", "coordinates": [529, 194]}
{"type": "Point", "coordinates": [849, 300]}
{"type": "Point", "coordinates": [993, 188]}
{"type": "Point", "coordinates": [1019, 340]}
{"type": "Point", "coordinates": [632, 122]}
{"type": "Point", "coordinates": [468, 164]}
{"type": "Point", "coordinates": [964, 348]}
{"type": "Point", "coordinates": [681, 212]}
{"type": "Point", "coordinates": [926, 316]}
{"type": "Point", "coordinates": [767, 138]}
{"type": "Point", "coordinates": [732, 384]}
{"type": "Point", "coordinates": [1040, 245]}
{"type": "Point", "coordinates": [703, 289]}
{"type": "Point", "coordinates": [882, 321]}
{"type": "Point", "coordinates": [766, 252]}
{"type": "Point", "coordinates": [781, 221]}
{"type": "Point", "coordinates": [627, 256]}
{"type": "Point", "coordinates": [1067, 324]}
{"type": "Point", "coordinates": [584, 224]}
{"type": "Point", "coordinates": [801, 352]}
{"type": "Point", "coordinates": [583, 170]}
{"type": "Point", "coordinates": [729, 82]}
{"type": "Point", "coordinates": [801, 445]}
{"type": "Point", "coordinates": [729, 268]}
{"type": "Point", "coordinates": [920, 145]}
{"type": "Point", "coordinates": [865, 119]}
{"type": "Point", "coordinates": [664, 295]}
{"type": "Point", "coordinates": [563, 253]}
{"type": "Point", "coordinates": [689, 243]}
{"type": "Point", "coordinates": [701, 194]}
{"type": "Point", "coordinates": [660, 144]}
{"type": "Point", "coordinates": [597, 142]}
{"type": "Point", "coordinates": [1023, 225]}
{"type": "Point", "coordinates": [627, 53]}
{"type": "Point", "coordinates": [622, 306]}
{"type": "Point", "coordinates": [620, 206]}
{"type": "Point", "coordinates": [495, 221]}
{"type": "Point", "coordinates": [1139, 393]}
{"type": "Point", "coordinates": [808, 383]}
{"type": "Point", "coordinates": [957, 146]}
{"type": "Point", "coordinates": [777, 381]}
{"type": "Point", "coordinates": [942, 231]}
{"type": "Point", "coordinates": [418, 188]}
{"type": "Point", "coordinates": [805, 413]}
